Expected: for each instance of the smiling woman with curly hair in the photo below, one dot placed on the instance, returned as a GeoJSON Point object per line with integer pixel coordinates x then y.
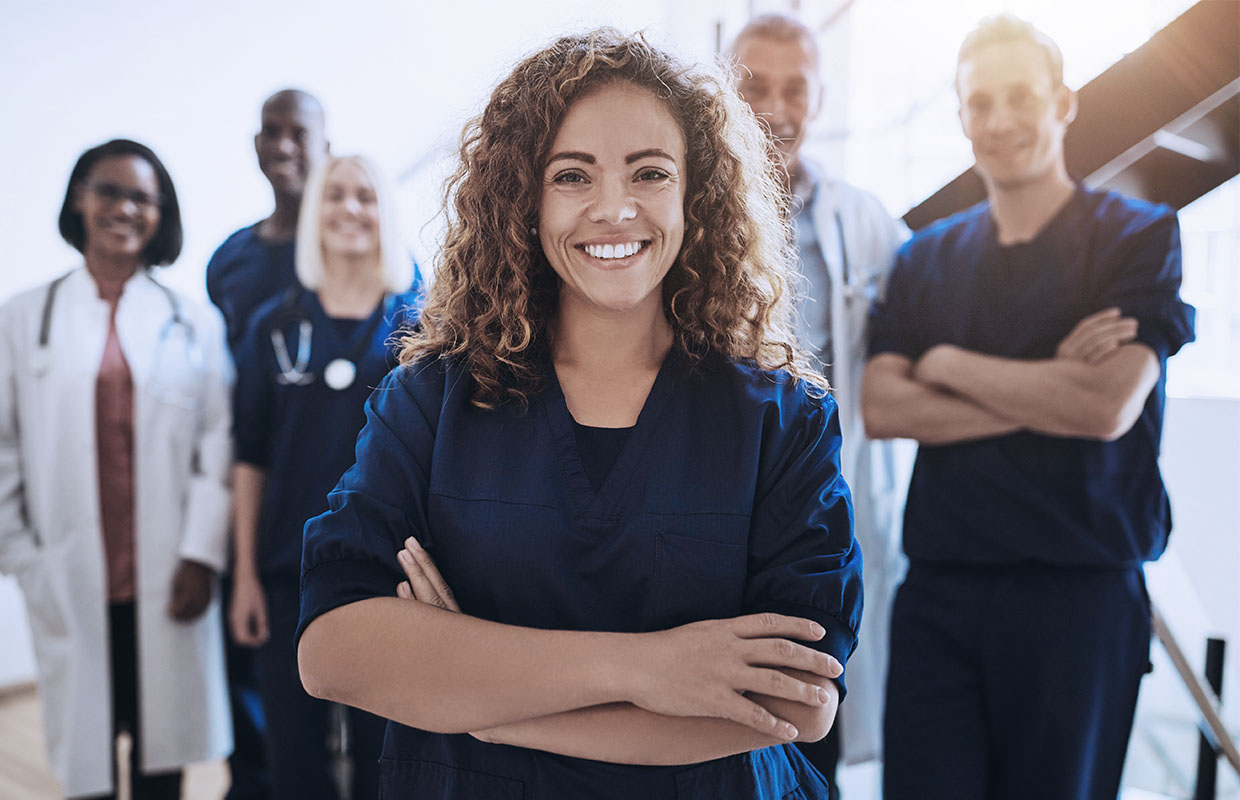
{"type": "Point", "coordinates": [596, 521]}
{"type": "Point", "coordinates": [729, 289]}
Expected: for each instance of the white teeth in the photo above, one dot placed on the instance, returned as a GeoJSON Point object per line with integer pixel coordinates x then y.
{"type": "Point", "coordinates": [612, 250]}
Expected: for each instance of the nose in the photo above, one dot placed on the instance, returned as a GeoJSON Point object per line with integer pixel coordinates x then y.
{"type": "Point", "coordinates": [287, 145]}
{"type": "Point", "coordinates": [1000, 119]}
{"type": "Point", "coordinates": [613, 203]}
{"type": "Point", "coordinates": [126, 205]}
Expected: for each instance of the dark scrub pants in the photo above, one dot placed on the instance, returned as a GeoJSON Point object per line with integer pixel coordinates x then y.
{"type": "Point", "coordinates": [1013, 682]}
{"type": "Point", "coordinates": [303, 725]}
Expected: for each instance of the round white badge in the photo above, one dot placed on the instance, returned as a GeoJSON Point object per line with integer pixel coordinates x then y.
{"type": "Point", "coordinates": [339, 373]}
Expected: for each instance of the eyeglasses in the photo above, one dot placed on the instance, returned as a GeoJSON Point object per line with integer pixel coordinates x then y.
{"type": "Point", "coordinates": [115, 193]}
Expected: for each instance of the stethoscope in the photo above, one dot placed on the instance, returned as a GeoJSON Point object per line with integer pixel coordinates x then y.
{"type": "Point", "coordinates": [42, 360]}
{"type": "Point", "coordinates": [340, 372]}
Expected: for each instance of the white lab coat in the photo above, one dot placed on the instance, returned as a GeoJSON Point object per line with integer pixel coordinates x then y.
{"type": "Point", "coordinates": [50, 535]}
{"type": "Point", "coordinates": [876, 471]}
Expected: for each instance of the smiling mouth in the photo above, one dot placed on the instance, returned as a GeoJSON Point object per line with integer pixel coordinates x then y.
{"type": "Point", "coordinates": [613, 252]}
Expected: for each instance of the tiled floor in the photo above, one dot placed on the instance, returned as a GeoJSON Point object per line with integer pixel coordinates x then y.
{"type": "Point", "coordinates": [24, 773]}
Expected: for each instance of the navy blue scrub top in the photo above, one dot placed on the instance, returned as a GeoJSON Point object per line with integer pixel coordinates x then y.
{"type": "Point", "coordinates": [303, 436]}
{"type": "Point", "coordinates": [246, 270]}
{"type": "Point", "coordinates": [1027, 497]}
{"type": "Point", "coordinates": [725, 499]}
{"type": "Point", "coordinates": [243, 272]}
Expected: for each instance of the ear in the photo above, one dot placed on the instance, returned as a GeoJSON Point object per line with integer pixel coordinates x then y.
{"type": "Point", "coordinates": [1065, 105]}
{"type": "Point", "coordinates": [256, 144]}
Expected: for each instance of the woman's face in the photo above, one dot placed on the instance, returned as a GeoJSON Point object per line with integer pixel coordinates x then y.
{"type": "Point", "coordinates": [119, 202]}
{"type": "Point", "coordinates": [611, 220]}
{"type": "Point", "coordinates": [349, 220]}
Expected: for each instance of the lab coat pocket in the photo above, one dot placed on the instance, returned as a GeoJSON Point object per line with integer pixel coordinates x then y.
{"type": "Point", "coordinates": [178, 371]}
{"type": "Point", "coordinates": [400, 779]}
{"type": "Point", "coordinates": [49, 623]}
{"type": "Point", "coordinates": [696, 579]}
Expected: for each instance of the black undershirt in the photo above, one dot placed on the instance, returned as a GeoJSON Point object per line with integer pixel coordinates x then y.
{"type": "Point", "coordinates": [599, 448]}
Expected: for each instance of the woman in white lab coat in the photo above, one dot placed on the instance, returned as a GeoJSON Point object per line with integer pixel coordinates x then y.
{"type": "Point", "coordinates": [114, 452]}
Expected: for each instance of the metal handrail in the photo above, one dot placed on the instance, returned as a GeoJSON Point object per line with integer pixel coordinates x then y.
{"type": "Point", "coordinates": [1209, 720]}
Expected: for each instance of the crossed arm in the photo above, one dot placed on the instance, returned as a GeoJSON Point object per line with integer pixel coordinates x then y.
{"type": "Point", "coordinates": [623, 732]}
{"type": "Point", "coordinates": [685, 695]}
{"type": "Point", "coordinates": [1093, 388]}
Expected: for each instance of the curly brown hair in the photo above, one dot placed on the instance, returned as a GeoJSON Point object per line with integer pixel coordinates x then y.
{"type": "Point", "coordinates": [730, 290]}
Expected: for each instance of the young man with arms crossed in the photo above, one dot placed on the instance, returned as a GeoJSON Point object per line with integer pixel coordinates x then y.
{"type": "Point", "coordinates": [1023, 343]}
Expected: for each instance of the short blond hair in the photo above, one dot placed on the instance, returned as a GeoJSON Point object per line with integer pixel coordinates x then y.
{"type": "Point", "coordinates": [1008, 28]}
{"type": "Point", "coordinates": [395, 265]}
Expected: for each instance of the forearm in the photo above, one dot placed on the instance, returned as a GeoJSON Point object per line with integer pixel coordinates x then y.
{"type": "Point", "coordinates": [896, 405]}
{"type": "Point", "coordinates": [451, 673]}
{"type": "Point", "coordinates": [249, 482]}
{"type": "Point", "coordinates": [1058, 397]}
{"type": "Point", "coordinates": [622, 733]}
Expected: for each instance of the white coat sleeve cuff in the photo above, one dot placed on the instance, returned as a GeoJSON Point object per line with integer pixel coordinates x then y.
{"type": "Point", "coordinates": [205, 538]}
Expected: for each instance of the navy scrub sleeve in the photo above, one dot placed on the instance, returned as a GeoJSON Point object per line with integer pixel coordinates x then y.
{"type": "Point", "coordinates": [349, 554]}
{"type": "Point", "coordinates": [1140, 273]}
{"type": "Point", "coordinates": [801, 529]}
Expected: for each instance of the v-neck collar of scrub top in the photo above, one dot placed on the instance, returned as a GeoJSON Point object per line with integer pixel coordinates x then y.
{"type": "Point", "coordinates": [605, 506]}
{"type": "Point", "coordinates": [339, 346]}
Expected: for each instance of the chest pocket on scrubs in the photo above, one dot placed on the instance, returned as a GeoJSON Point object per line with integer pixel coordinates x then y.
{"type": "Point", "coordinates": [695, 579]}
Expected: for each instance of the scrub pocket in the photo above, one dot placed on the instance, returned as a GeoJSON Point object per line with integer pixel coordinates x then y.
{"type": "Point", "coordinates": [404, 780]}
{"type": "Point", "coordinates": [696, 579]}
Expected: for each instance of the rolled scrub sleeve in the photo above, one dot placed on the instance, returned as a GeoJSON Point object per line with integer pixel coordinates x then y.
{"type": "Point", "coordinates": [1141, 273]}
{"type": "Point", "coordinates": [349, 552]}
{"type": "Point", "coordinates": [803, 560]}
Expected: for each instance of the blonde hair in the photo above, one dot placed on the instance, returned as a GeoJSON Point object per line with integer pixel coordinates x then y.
{"type": "Point", "coordinates": [1007, 28]}
{"type": "Point", "coordinates": [495, 294]}
{"type": "Point", "coordinates": [395, 265]}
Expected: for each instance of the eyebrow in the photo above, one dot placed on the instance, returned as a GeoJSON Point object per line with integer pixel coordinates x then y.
{"type": "Point", "coordinates": [652, 152]}
{"type": "Point", "coordinates": [576, 155]}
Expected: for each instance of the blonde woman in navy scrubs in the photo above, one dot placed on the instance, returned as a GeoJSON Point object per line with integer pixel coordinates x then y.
{"type": "Point", "coordinates": [612, 478]}
{"type": "Point", "coordinates": [306, 365]}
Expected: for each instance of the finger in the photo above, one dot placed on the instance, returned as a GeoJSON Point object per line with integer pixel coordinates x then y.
{"type": "Point", "coordinates": [789, 654]}
{"type": "Point", "coordinates": [403, 591]}
{"type": "Point", "coordinates": [245, 632]}
{"type": "Point", "coordinates": [1085, 326]}
{"type": "Point", "coordinates": [771, 625]}
{"type": "Point", "coordinates": [741, 709]}
{"type": "Point", "coordinates": [262, 631]}
{"type": "Point", "coordinates": [777, 683]}
{"type": "Point", "coordinates": [423, 589]}
{"type": "Point", "coordinates": [1109, 339]}
{"type": "Point", "coordinates": [432, 573]}
{"type": "Point", "coordinates": [1098, 316]}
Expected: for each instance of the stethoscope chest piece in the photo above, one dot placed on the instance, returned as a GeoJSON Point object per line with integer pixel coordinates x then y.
{"type": "Point", "coordinates": [339, 373]}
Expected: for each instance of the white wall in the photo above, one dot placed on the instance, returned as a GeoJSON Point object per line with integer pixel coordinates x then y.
{"type": "Point", "coordinates": [398, 79]}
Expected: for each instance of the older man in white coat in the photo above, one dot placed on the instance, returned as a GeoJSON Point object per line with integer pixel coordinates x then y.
{"type": "Point", "coordinates": [53, 509]}
{"type": "Point", "coordinates": [847, 242]}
